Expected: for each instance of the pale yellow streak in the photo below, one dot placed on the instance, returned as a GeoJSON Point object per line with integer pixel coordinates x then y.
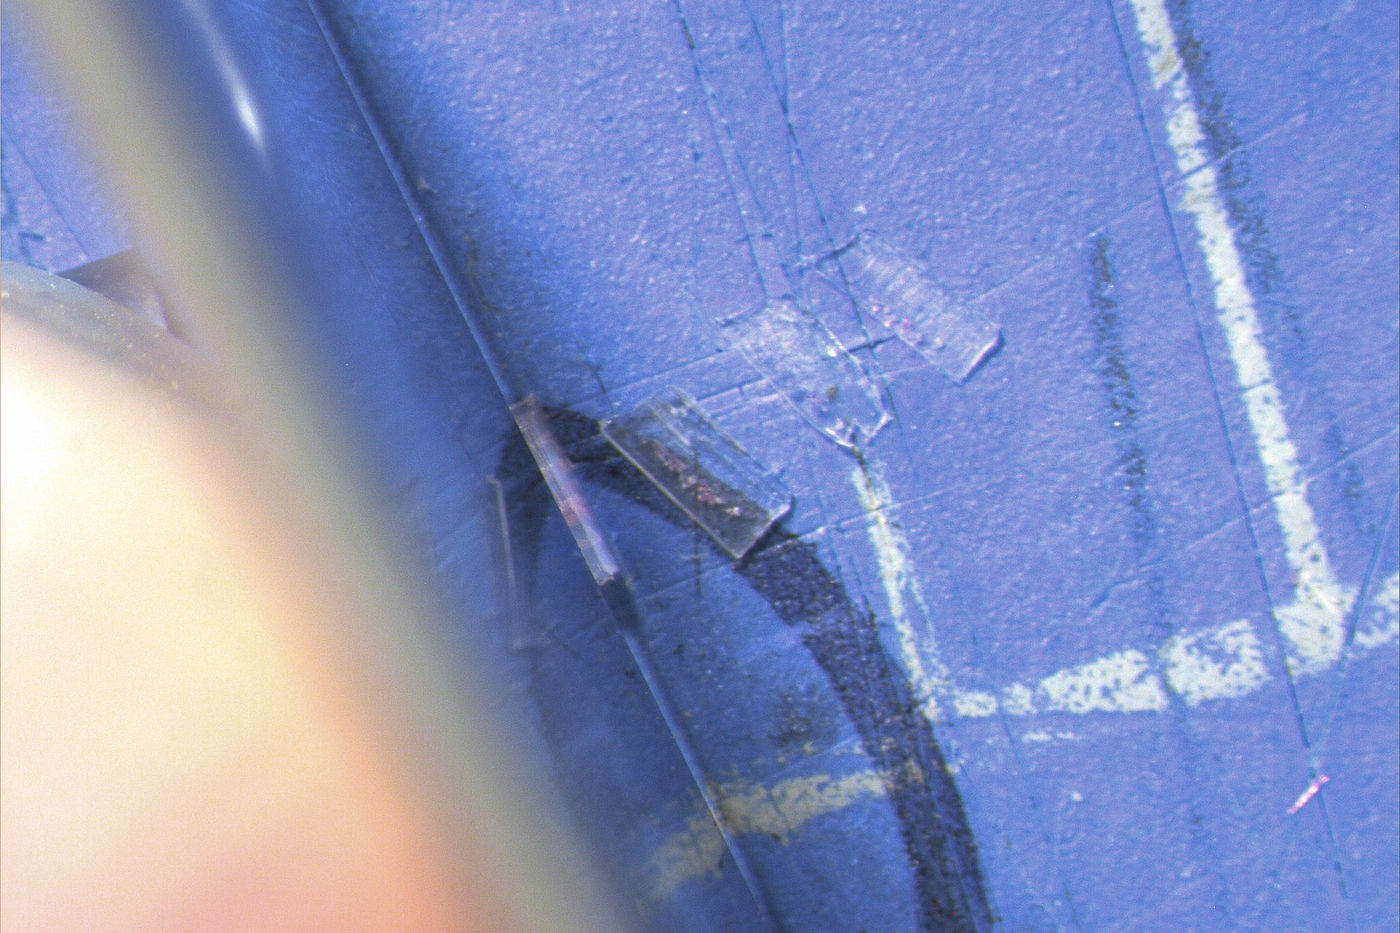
{"type": "Point", "coordinates": [779, 811]}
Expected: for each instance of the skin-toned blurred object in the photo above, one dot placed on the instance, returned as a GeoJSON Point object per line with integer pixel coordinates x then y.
{"type": "Point", "coordinates": [179, 751]}
{"type": "Point", "coordinates": [227, 703]}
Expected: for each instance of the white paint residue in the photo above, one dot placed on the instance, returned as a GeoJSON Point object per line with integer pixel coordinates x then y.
{"type": "Point", "coordinates": [974, 704]}
{"type": "Point", "coordinates": [1044, 736]}
{"type": "Point", "coordinates": [1121, 682]}
{"type": "Point", "coordinates": [1228, 660]}
{"type": "Point", "coordinates": [1216, 663]}
{"type": "Point", "coordinates": [1383, 625]}
{"type": "Point", "coordinates": [1225, 661]}
{"type": "Point", "coordinates": [1314, 624]}
{"type": "Point", "coordinates": [1222, 662]}
{"type": "Point", "coordinates": [918, 650]}
{"type": "Point", "coordinates": [1017, 700]}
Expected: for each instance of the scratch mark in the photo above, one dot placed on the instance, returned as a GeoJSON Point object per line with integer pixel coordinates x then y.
{"type": "Point", "coordinates": [918, 650]}
{"type": "Point", "coordinates": [1347, 460]}
{"type": "Point", "coordinates": [1044, 736]}
{"type": "Point", "coordinates": [756, 228]}
{"type": "Point", "coordinates": [1314, 624]}
{"type": "Point", "coordinates": [1308, 794]}
{"type": "Point", "coordinates": [793, 197]}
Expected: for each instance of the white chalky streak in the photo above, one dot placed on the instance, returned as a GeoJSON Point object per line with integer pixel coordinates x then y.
{"type": "Point", "coordinates": [1227, 661]}
{"type": "Point", "coordinates": [1383, 625]}
{"type": "Point", "coordinates": [1121, 682]}
{"type": "Point", "coordinates": [918, 650]}
{"type": "Point", "coordinates": [1210, 664]}
{"type": "Point", "coordinates": [1216, 663]}
{"type": "Point", "coordinates": [1314, 624]}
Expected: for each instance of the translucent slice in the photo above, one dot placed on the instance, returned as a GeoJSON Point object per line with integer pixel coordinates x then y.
{"type": "Point", "coordinates": [796, 352]}
{"type": "Point", "coordinates": [514, 601]}
{"type": "Point", "coordinates": [701, 469]}
{"type": "Point", "coordinates": [558, 473]}
{"type": "Point", "coordinates": [899, 293]}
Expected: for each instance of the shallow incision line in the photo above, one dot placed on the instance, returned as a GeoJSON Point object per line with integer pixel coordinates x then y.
{"type": "Point", "coordinates": [1314, 623]}
{"type": "Point", "coordinates": [1385, 619]}
{"type": "Point", "coordinates": [1219, 662]}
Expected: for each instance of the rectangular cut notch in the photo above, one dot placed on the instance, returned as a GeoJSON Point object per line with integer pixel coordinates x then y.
{"type": "Point", "coordinates": [805, 362]}
{"type": "Point", "coordinates": [558, 473]}
{"type": "Point", "coordinates": [701, 469]}
{"type": "Point", "coordinates": [899, 293]}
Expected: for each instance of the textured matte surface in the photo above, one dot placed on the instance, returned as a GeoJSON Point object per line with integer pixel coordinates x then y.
{"type": "Point", "coordinates": [1058, 648]}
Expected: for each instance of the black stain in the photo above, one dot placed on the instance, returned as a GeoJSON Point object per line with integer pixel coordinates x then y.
{"type": "Point", "coordinates": [876, 696]}
{"type": "Point", "coordinates": [1123, 403]}
{"type": "Point", "coordinates": [1247, 211]}
{"type": "Point", "coordinates": [844, 641]}
{"type": "Point", "coordinates": [1124, 407]}
{"type": "Point", "coordinates": [800, 718]}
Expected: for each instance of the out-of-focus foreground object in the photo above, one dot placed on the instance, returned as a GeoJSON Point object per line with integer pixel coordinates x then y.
{"type": "Point", "coordinates": [1058, 344]}
{"type": "Point", "coordinates": [181, 748]}
{"type": "Point", "coordinates": [184, 743]}
{"type": "Point", "coordinates": [226, 701]}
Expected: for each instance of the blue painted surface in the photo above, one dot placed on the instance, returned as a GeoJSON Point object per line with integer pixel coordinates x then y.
{"type": "Point", "coordinates": [1096, 488]}
{"type": "Point", "coordinates": [55, 214]}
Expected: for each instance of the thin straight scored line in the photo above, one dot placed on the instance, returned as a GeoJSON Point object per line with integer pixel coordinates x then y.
{"type": "Point", "coordinates": [431, 241]}
{"type": "Point", "coordinates": [1314, 624]}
